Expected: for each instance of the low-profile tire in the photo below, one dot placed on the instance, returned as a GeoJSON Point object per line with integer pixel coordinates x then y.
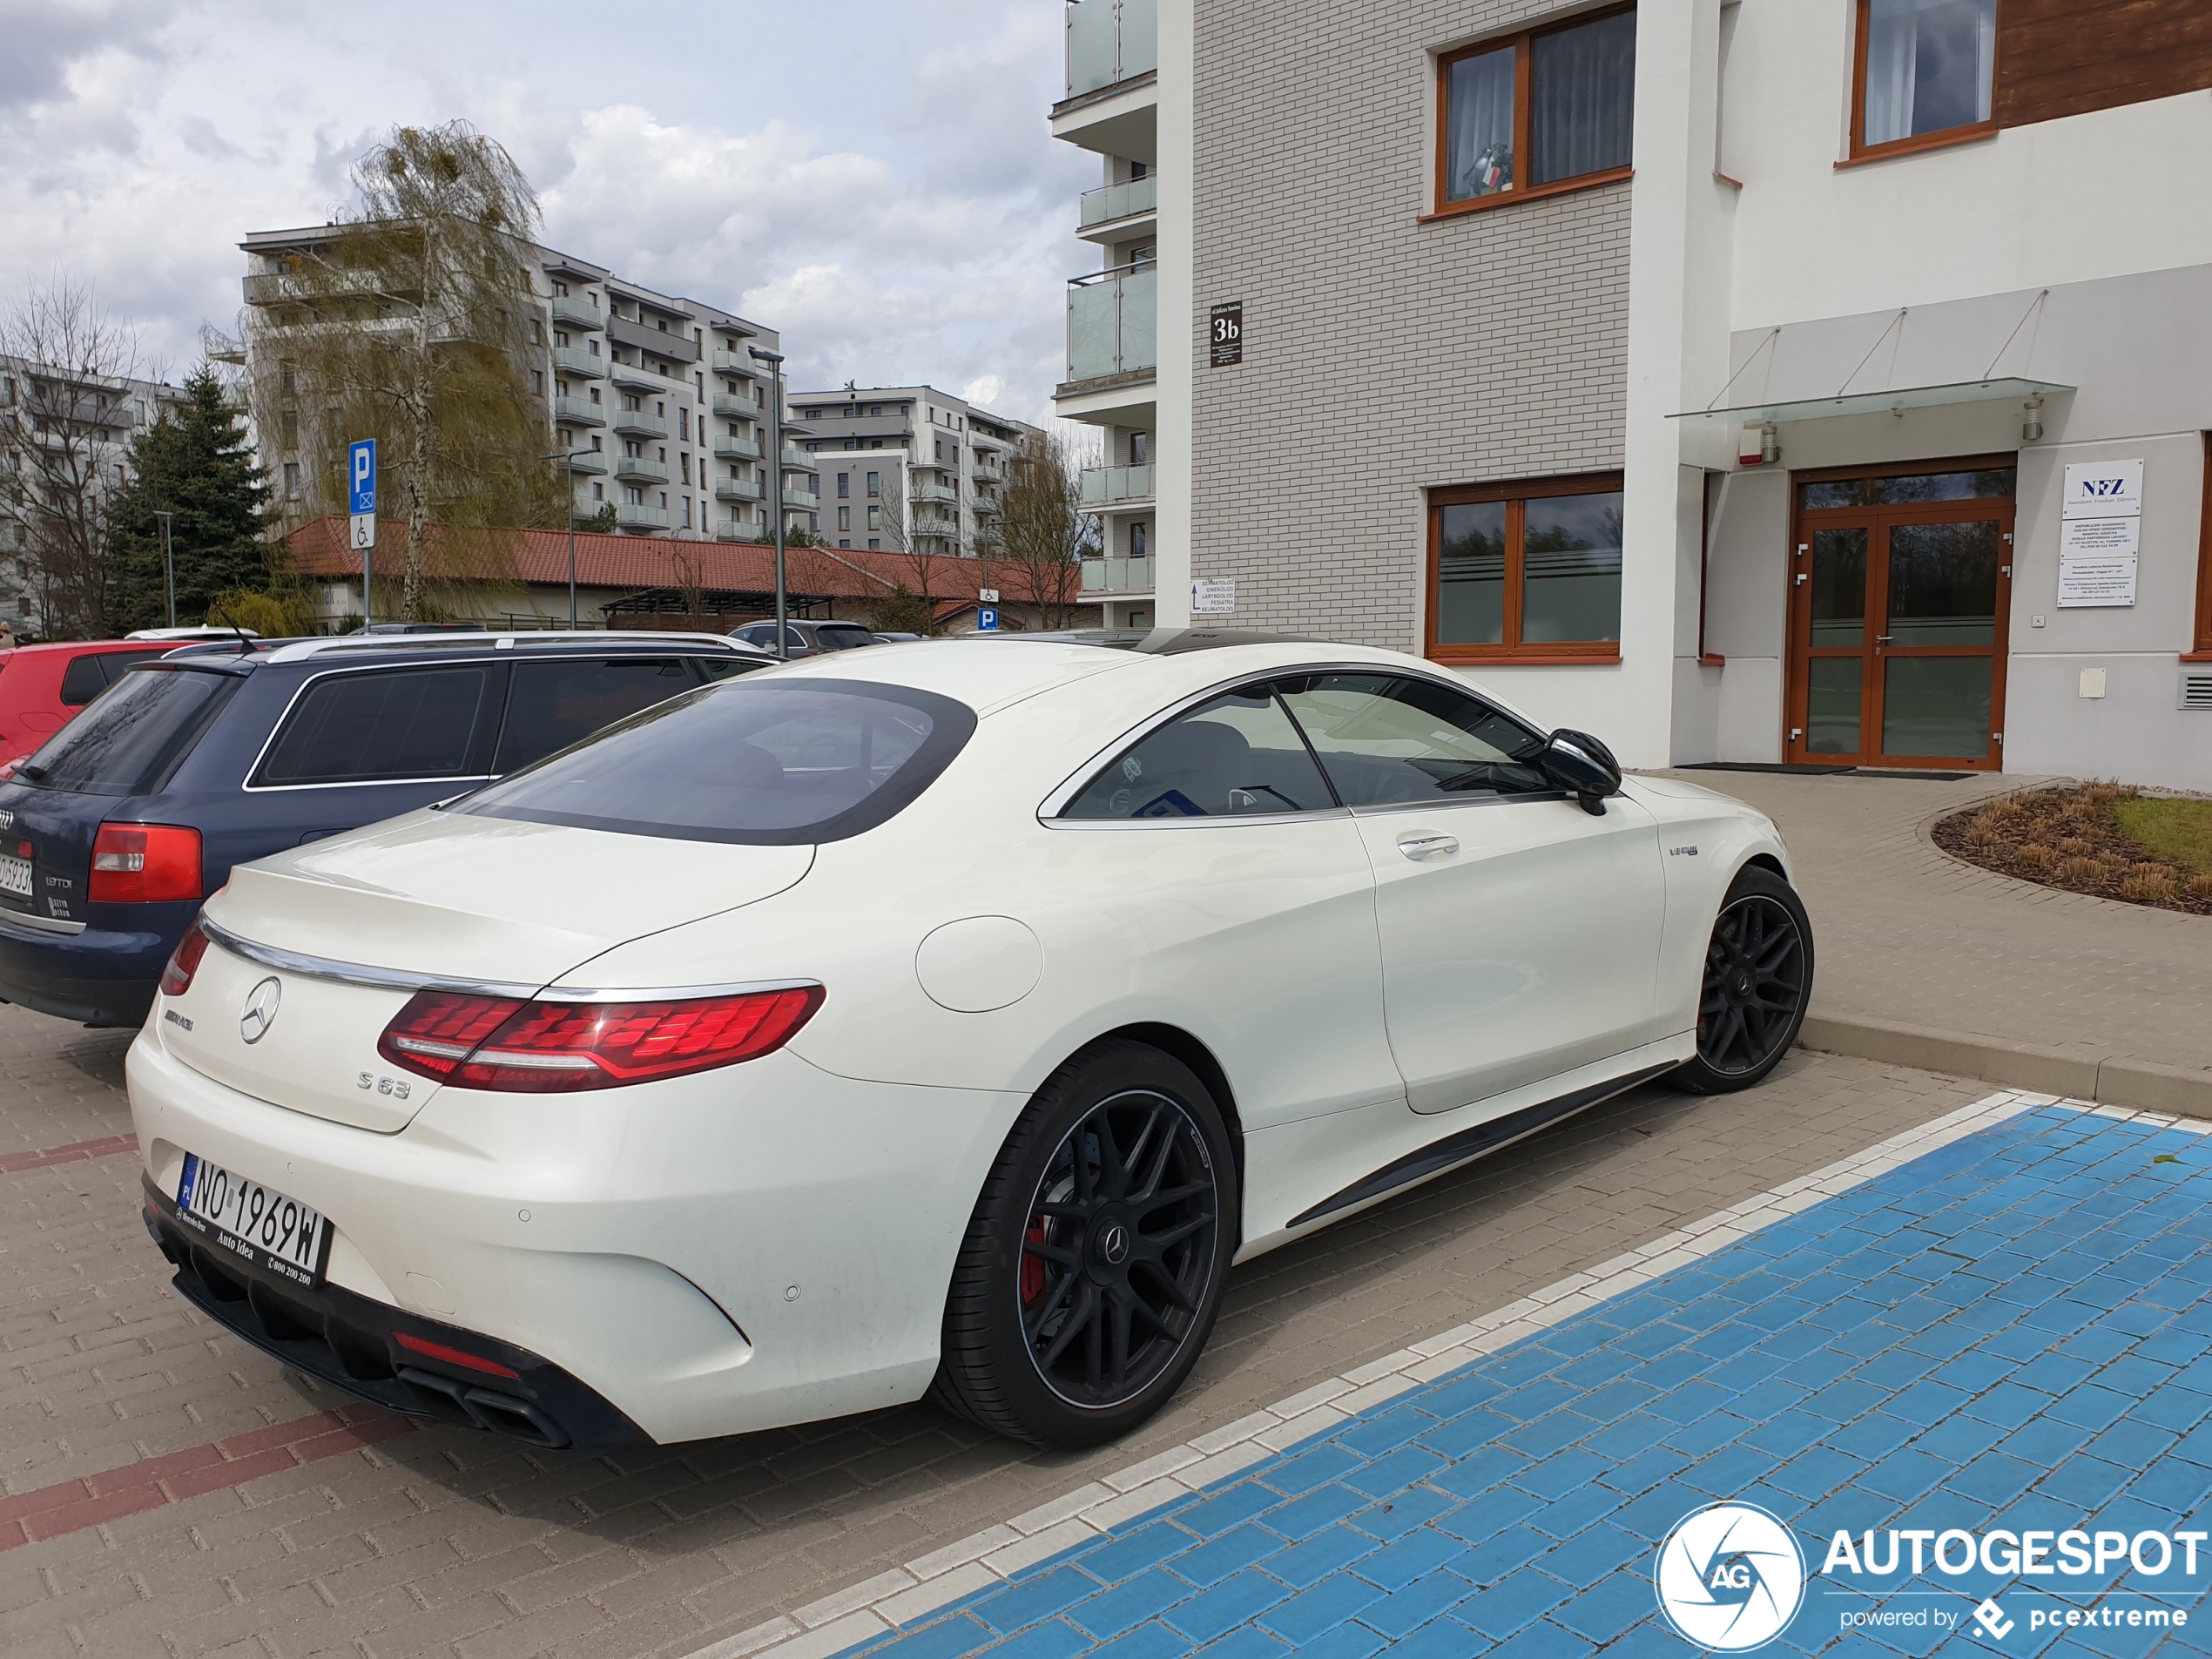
{"type": "Point", "coordinates": [1757, 980]}
{"type": "Point", "coordinates": [1093, 1264]}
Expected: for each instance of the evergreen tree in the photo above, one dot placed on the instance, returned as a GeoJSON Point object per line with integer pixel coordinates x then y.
{"type": "Point", "coordinates": [194, 463]}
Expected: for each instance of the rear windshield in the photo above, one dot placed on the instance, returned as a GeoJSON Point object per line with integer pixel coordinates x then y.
{"type": "Point", "coordinates": [772, 765]}
{"type": "Point", "coordinates": [129, 741]}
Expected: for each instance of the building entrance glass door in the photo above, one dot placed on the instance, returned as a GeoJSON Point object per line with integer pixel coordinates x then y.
{"type": "Point", "coordinates": [1900, 584]}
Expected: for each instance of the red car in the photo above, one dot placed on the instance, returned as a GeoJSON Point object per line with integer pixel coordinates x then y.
{"type": "Point", "coordinates": [41, 687]}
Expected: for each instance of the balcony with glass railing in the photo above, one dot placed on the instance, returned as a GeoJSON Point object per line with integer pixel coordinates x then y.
{"type": "Point", "coordinates": [735, 362]}
{"type": "Point", "coordinates": [736, 489]}
{"type": "Point", "coordinates": [578, 412]}
{"type": "Point", "coordinates": [1111, 41]}
{"type": "Point", "coordinates": [743, 408]}
{"type": "Point", "coordinates": [1106, 487]}
{"type": "Point", "coordinates": [637, 422]}
{"type": "Point", "coordinates": [804, 501]}
{"type": "Point", "coordinates": [569, 360]}
{"type": "Point", "coordinates": [728, 449]}
{"type": "Point", "coordinates": [641, 518]}
{"type": "Point", "coordinates": [1117, 575]}
{"type": "Point", "coordinates": [638, 467]}
{"type": "Point", "coordinates": [1126, 200]}
{"type": "Point", "coordinates": [578, 314]}
{"type": "Point", "coordinates": [1113, 321]}
{"type": "Point", "coordinates": [927, 492]}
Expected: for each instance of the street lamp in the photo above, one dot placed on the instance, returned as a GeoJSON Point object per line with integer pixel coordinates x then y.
{"type": "Point", "coordinates": [775, 362]}
{"type": "Point", "coordinates": [567, 458]}
{"type": "Point", "coordinates": [169, 565]}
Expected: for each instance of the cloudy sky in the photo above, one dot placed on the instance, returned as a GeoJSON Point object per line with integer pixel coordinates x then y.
{"type": "Point", "coordinates": [872, 177]}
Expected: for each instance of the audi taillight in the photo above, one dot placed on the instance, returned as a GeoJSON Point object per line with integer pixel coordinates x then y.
{"type": "Point", "coordinates": [548, 1047]}
{"type": "Point", "coordinates": [183, 961]}
{"type": "Point", "coordinates": [145, 863]}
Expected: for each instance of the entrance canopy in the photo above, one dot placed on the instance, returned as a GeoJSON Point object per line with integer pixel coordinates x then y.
{"type": "Point", "coordinates": [1895, 399]}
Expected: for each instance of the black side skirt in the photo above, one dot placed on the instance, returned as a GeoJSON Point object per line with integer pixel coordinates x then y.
{"type": "Point", "coordinates": [1472, 1142]}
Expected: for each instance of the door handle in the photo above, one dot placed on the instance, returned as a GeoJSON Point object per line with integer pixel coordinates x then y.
{"type": "Point", "coordinates": [1883, 639]}
{"type": "Point", "coordinates": [1418, 847]}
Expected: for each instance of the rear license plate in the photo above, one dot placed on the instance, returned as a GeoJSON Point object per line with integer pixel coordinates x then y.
{"type": "Point", "coordinates": [15, 876]}
{"type": "Point", "coordinates": [258, 1223]}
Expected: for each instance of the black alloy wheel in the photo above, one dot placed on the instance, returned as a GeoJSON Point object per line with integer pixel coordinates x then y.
{"type": "Point", "coordinates": [1118, 1248]}
{"type": "Point", "coordinates": [1757, 981]}
{"type": "Point", "coordinates": [1094, 1265]}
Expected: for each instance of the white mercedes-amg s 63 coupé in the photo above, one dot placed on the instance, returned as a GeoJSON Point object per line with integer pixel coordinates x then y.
{"type": "Point", "coordinates": [947, 1017]}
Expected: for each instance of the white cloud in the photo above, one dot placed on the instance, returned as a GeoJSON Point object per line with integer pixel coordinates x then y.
{"type": "Point", "coordinates": [885, 195]}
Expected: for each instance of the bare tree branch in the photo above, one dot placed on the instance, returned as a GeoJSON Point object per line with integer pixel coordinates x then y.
{"type": "Point", "coordinates": [68, 405]}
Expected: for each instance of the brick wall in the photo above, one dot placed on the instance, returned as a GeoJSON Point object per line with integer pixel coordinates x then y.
{"type": "Point", "coordinates": [1382, 356]}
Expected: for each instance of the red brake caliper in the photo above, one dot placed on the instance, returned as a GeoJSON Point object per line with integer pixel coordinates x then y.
{"type": "Point", "coordinates": [1033, 1266]}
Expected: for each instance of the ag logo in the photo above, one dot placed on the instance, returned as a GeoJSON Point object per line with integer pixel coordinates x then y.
{"type": "Point", "coordinates": [1729, 1577]}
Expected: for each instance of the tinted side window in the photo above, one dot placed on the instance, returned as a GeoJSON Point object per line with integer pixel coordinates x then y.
{"type": "Point", "coordinates": [81, 681]}
{"type": "Point", "coordinates": [380, 727]}
{"type": "Point", "coordinates": [1237, 756]}
{"type": "Point", "coordinates": [1387, 739]}
{"type": "Point", "coordinates": [723, 668]}
{"type": "Point", "coordinates": [555, 704]}
{"type": "Point", "coordinates": [843, 638]}
{"type": "Point", "coordinates": [115, 664]}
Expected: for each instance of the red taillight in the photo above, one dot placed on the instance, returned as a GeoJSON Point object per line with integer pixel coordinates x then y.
{"type": "Point", "coordinates": [183, 961]}
{"type": "Point", "coordinates": [143, 863]}
{"type": "Point", "coordinates": [543, 1048]}
{"type": "Point", "coordinates": [439, 1029]}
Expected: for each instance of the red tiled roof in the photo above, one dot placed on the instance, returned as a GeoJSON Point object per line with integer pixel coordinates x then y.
{"type": "Point", "coordinates": [633, 562]}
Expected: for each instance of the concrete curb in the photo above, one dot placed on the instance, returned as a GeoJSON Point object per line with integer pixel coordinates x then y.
{"type": "Point", "coordinates": [2112, 1080]}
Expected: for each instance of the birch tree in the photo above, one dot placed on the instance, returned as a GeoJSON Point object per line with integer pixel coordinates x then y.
{"type": "Point", "coordinates": [417, 323]}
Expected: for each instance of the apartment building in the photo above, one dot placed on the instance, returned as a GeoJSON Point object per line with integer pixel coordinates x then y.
{"type": "Point", "coordinates": [657, 400]}
{"type": "Point", "coordinates": [65, 441]}
{"type": "Point", "coordinates": [1821, 384]}
{"type": "Point", "coordinates": [906, 468]}
{"type": "Point", "coordinates": [1113, 344]}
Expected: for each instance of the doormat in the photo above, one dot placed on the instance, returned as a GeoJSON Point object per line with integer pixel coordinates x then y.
{"type": "Point", "coordinates": [1762, 765]}
{"type": "Point", "coordinates": [1809, 771]}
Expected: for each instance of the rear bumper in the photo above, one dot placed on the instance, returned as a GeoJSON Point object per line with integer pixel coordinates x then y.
{"type": "Point", "coordinates": [352, 1343]}
{"type": "Point", "coordinates": [105, 975]}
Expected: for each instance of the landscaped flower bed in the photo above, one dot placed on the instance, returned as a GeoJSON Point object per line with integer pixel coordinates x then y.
{"type": "Point", "coordinates": [2102, 839]}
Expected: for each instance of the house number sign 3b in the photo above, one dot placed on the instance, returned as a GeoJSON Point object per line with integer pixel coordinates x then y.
{"type": "Point", "coordinates": [1225, 335]}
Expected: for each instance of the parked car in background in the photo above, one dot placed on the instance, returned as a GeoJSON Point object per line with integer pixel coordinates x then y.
{"type": "Point", "coordinates": [806, 638]}
{"type": "Point", "coordinates": [895, 639]}
{"type": "Point", "coordinates": [42, 686]}
{"type": "Point", "coordinates": [190, 635]}
{"type": "Point", "coordinates": [112, 832]}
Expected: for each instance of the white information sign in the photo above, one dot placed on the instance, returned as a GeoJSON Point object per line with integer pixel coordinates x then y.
{"type": "Point", "coordinates": [364, 530]}
{"type": "Point", "coordinates": [2100, 534]}
{"type": "Point", "coordinates": [2104, 490]}
{"type": "Point", "coordinates": [1216, 597]}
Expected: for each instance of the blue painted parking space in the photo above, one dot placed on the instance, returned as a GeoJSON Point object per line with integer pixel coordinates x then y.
{"type": "Point", "coordinates": [1951, 1384]}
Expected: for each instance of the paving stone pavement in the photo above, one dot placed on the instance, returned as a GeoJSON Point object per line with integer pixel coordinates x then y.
{"type": "Point", "coordinates": [1906, 933]}
{"type": "Point", "coordinates": [2005, 1338]}
{"type": "Point", "coordinates": [446, 1542]}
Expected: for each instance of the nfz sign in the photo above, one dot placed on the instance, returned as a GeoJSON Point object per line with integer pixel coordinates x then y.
{"type": "Point", "coordinates": [2104, 490]}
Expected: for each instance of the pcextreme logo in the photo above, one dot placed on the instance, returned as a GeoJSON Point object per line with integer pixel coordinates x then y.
{"type": "Point", "coordinates": [1729, 1577]}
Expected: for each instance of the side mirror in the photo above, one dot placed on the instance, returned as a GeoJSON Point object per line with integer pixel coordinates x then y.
{"type": "Point", "coordinates": [1578, 763]}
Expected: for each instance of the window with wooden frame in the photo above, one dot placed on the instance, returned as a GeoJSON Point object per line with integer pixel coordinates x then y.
{"type": "Point", "coordinates": [2201, 647]}
{"type": "Point", "coordinates": [1526, 572]}
{"type": "Point", "coordinates": [1536, 113]}
{"type": "Point", "coordinates": [1924, 75]}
